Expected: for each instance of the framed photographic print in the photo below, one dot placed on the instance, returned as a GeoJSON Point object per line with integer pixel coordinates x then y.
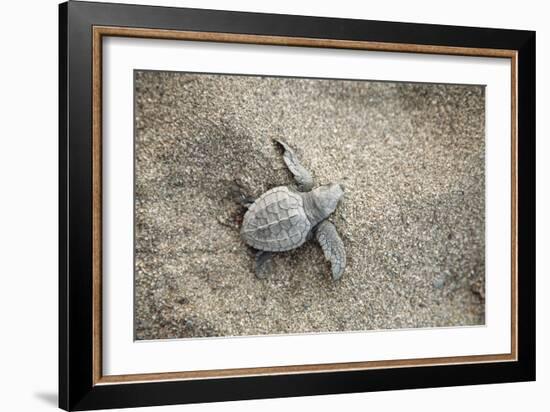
{"type": "Point", "coordinates": [256, 205]}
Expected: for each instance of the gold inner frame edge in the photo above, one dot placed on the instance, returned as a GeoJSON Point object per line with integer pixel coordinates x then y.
{"type": "Point", "coordinates": [101, 31]}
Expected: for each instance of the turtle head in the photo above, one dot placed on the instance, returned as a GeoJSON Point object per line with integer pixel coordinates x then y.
{"type": "Point", "coordinates": [327, 198]}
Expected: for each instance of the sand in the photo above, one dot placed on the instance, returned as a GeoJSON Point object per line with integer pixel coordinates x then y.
{"type": "Point", "coordinates": [411, 158]}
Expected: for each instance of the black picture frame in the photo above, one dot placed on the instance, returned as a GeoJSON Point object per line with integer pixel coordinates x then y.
{"type": "Point", "coordinates": [77, 389]}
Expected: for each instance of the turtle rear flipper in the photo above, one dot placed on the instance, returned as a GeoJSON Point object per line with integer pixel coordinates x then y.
{"type": "Point", "coordinates": [332, 246]}
{"type": "Point", "coordinates": [240, 196]}
{"type": "Point", "coordinates": [263, 260]}
{"type": "Point", "coordinates": [301, 174]}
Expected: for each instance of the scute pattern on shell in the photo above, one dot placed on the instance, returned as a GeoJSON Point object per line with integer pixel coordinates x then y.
{"type": "Point", "coordinates": [276, 221]}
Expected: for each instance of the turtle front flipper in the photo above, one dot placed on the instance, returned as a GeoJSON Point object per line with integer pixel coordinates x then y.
{"type": "Point", "coordinates": [301, 174]}
{"type": "Point", "coordinates": [332, 246]}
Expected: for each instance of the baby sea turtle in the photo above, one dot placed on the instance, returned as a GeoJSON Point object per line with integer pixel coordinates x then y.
{"type": "Point", "coordinates": [284, 218]}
